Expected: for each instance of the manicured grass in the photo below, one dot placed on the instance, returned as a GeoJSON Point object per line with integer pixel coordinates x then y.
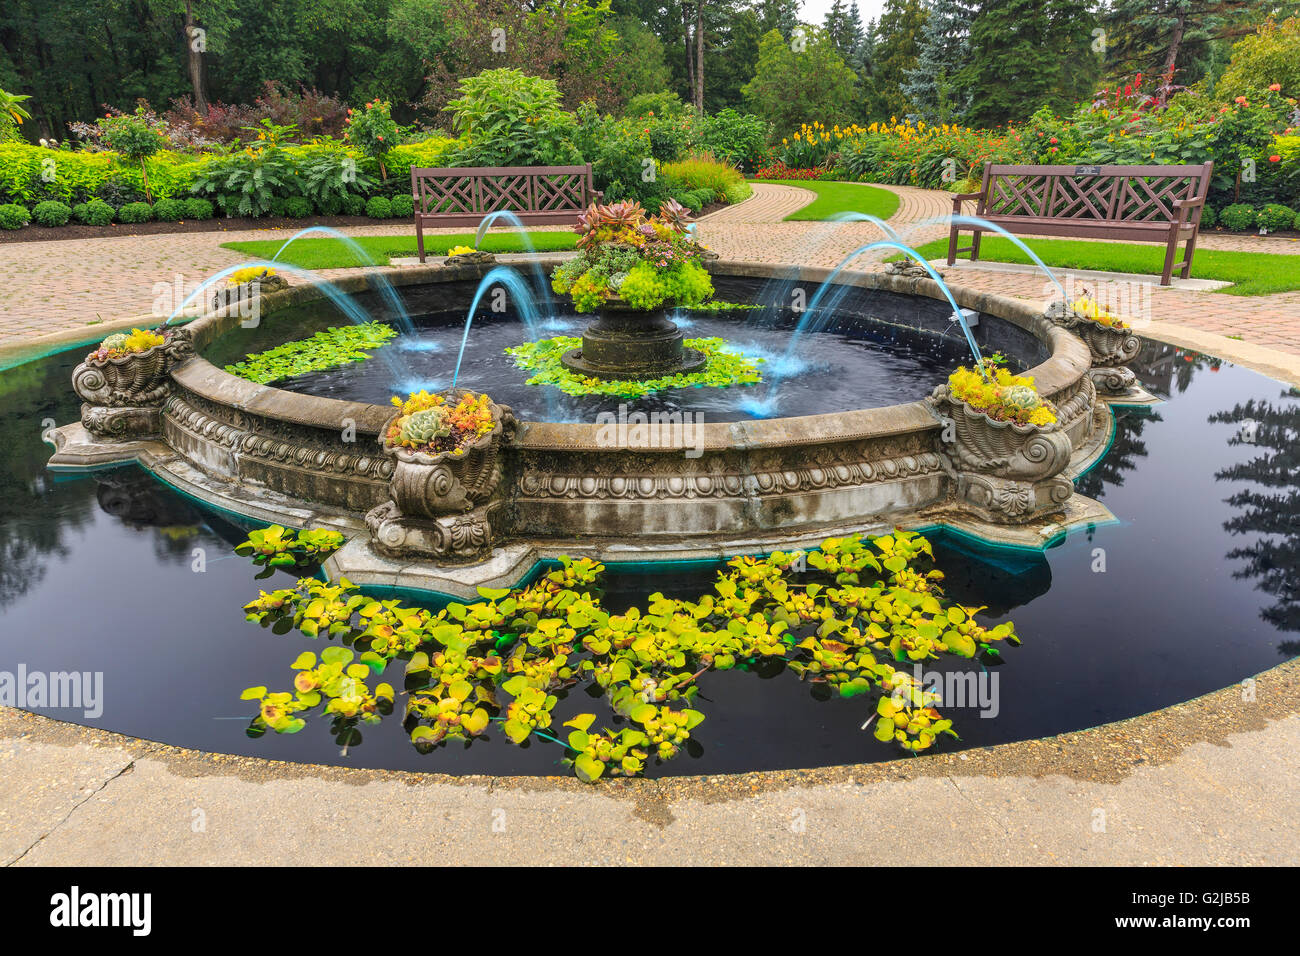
{"type": "Point", "coordinates": [325, 252]}
{"type": "Point", "coordinates": [1252, 273]}
{"type": "Point", "coordinates": [834, 198]}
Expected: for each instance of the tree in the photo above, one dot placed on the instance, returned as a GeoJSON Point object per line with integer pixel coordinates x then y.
{"type": "Point", "coordinates": [800, 81]}
{"type": "Point", "coordinates": [640, 58]}
{"type": "Point", "coordinates": [1174, 39]}
{"type": "Point", "coordinates": [1025, 54]}
{"type": "Point", "coordinates": [931, 85]}
{"type": "Point", "coordinates": [897, 45]}
{"type": "Point", "coordinates": [1270, 56]}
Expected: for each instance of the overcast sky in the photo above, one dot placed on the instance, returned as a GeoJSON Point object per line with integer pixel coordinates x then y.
{"type": "Point", "coordinates": [814, 11]}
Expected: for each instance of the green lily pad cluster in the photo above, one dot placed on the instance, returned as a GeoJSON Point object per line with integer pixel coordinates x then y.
{"type": "Point", "coordinates": [723, 367]}
{"type": "Point", "coordinates": [851, 618]}
{"type": "Point", "coordinates": [329, 348]}
{"type": "Point", "coordinates": [279, 547]}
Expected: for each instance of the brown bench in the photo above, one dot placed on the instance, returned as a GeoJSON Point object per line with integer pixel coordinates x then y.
{"type": "Point", "coordinates": [544, 195]}
{"type": "Point", "coordinates": [1143, 203]}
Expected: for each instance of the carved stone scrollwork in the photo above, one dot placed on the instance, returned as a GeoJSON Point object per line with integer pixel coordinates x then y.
{"type": "Point", "coordinates": [1007, 473]}
{"type": "Point", "coordinates": [124, 394]}
{"type": "Point", "coordinates": [1111, 350]}
{"type": "Point", "coordinates": [446, 505]}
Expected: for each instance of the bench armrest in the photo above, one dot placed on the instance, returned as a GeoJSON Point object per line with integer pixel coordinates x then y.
{"type": "Point", "coordinates": [1184, 207]}
{"type": "Point", "coordinates": [959, 198]}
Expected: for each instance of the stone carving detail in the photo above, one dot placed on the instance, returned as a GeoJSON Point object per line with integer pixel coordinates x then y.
{"type": "Point", "coordinates": [444, 505]}
{"type": "Point", "coordinates": [909, 268]}
{"type": "Point", "coordinates": [1007, 473]}
{"type": "Point", "coordinates": [123, 395]}
{"type": "Point", "coordinates": [669, 481]}
{"type": "Point", "coordinates": [1111, 349]}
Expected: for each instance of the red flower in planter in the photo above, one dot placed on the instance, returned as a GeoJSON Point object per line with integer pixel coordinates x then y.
{"type": "Point", "coordinates": [1275, 158]}
{"type": "Point", "coordinates": [1275, 87]}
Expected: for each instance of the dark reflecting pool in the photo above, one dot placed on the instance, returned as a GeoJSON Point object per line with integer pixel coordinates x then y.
{"type": "Point", "coordinates": [114, 573]}
{"type": "Point", "coordinates": [851, 364]}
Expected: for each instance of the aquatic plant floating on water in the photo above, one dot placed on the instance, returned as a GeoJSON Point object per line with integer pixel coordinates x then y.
{"type": "Point", "coordinates": [723, 367]}
{"type": "Point", "coordinates": [852, 617]}
{"type": "Point", "coordinates": [327, 349]}
{"type": "Point", "coordinates": [278, 547]}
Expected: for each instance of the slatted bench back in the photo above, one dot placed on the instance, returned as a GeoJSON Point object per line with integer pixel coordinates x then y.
{"type": "Point", "coordinates": [1119, 194]}
{"type": "Point", "coordinates": [478, 190]}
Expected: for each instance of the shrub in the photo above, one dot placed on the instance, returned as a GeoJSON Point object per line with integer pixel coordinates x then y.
{"type": "Point", "coordinates": [1296, 225]}
{"type": "Point", "coordinates": [326, 174]}
{"type": "Point", "coordinates": [371, 129]}
{"type": "Point", "coordinates": [94, 213]}
{"type": "Point", "coordinates": [691, 200]}
{"type": "Point", "coordinates": [196, 208]}
{"type": "Point", "coordinates": [703, 172]}
{"type": "Point", "coordinates": [377, 207]}
{"type": "Point", "coordinates": [14, 216]}
{"type": "Point", "coordinates": [354, 205]}
{"type": "Point", "coordinates": [137, 137]}
{"type": "Point", "coordinates": [51, 212]}
{"type": "Point", "coordinates": [169, 210]}
{"type": "Point", "coordinates": [618, 150]}
{"type": "Point", "coordinates": [1239, 217]}
{"type": "Point", "coordinates": [245, 183]}
{"type": "Point", "coordinates": [401, 206]}
{"type": "Point", "coordinates": [508, 118]}
{"type": "Point", "coordinates": [297, 207]}
{"type": "Point", "coordinates": [1275, 217]}
{"type": "Point", "coordinates": [739, 139]}
{"type": "Point", "coordinates": [738, 192]}
{"type": "Point", "coordinates": [134, 212]}
{"type": "Point", "coordinates": [1208, 217]}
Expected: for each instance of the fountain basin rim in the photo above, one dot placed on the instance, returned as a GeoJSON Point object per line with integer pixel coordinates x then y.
{"type": "Point", "coordinates": [1069, 359]}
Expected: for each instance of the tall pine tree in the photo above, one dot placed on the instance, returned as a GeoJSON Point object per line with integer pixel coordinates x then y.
{"type": "Point", "coordinates": [932, 86]}
{"type": "Point", "coordinates": [897, 43]}
{"type": "Point", "coordinates": [1025, 54]}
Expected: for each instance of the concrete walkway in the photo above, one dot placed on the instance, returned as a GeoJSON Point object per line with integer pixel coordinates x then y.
{"type": "Point", "coordinates": [1213, 781]}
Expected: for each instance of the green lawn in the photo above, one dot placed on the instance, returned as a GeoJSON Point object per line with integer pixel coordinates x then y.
{"type": "Point", "coordinates": [833, 198]}
{"type": "Point", "coordinates": [1252, 273]}
{"type": "Point", "coordinates": [324, 252]}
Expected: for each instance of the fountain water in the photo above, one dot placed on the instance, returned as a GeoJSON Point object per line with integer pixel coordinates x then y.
{"type": "Point", "coordinates": [507, 277]}
{"type": "Point", "coordinates": [984, 224]}
{"type": "Point", "coordinates": [515, 223]}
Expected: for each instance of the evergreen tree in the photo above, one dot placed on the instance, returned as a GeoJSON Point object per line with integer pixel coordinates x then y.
{"type": "Point", "coordinates": [897, 45]}
{"type": "Point", "coordinates": [944, 51]}
{"type": "Point", "coordinates": [1025, 54]}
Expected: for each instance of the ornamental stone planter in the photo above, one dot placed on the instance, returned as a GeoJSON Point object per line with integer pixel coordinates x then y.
{"type": "Point", "coordinates": [445, 505]}
{"type": "Point", "coordinates": [630, 343]}
{"type": "Point", "coordinates": [476, 258]}
{"type": "Point", "coordinates": [1006, 472]}
{"type": "Point", "coordinates": [241, 299]}
{"type": "Point", "coordinates": [123, 396]}
{"type": "Point", "coordinates": [1111, 350]}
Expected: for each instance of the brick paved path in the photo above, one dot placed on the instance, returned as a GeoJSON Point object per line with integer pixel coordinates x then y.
{"type": "Point", "coordinates": [62, 285]}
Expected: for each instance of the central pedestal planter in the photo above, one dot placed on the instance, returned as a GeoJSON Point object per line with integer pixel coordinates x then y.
{"type": "Point", "coordinates": [628, 343]}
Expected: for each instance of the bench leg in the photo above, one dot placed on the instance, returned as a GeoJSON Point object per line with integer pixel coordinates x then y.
{"type": "Point", "coordinates": [1171, 248]}
{"type": "Point", "coordinates": [953, 236]}
{"type": "Point", "coordinates": [419, 239]}
{"type": "Point", "coordinates": [975, 245]}
{"type": "Point", "coordinates": [1187, 257]}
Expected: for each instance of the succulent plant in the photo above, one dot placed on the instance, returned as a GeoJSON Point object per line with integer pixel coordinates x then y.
{"type": "Point", "coordinates": [674, 214]}
{"type": "Point", "coordinates": [425, 427]}
{"type": "Point", "coordinates": [1021, 396]}
{"type": "Point", "coordinates": [622, 215]}
{"type": "Point", "coordinates": [115, 341]}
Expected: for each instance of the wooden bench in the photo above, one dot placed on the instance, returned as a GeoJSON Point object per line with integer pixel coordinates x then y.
{"type": "Point", "coordinates": [536, 194]}
{"type": "Point", "coordinates": [1143, 203]}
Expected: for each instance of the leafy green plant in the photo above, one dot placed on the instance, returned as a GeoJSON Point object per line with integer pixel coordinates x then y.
{"type": "Point", "coordinates": [134, 212]}
{"type": "Point", "coordinates": [329, 348]}
{"type": "Point", "coordinates": [1239, 217]}
{"type": "Point", "coordinates": [51, 212]}
{"type": "Point", "coordinates": [249, 182]}
{"type": "Point", "coordinates": [507, 118]}
{"type": "Point", "coordinates": [14, 216]}
{"type": "Point", "coordinates": [850, 619]}
{"type": "Point", "coordinates": [377, 207]}
{"type": "Point", "coordinates": [723, 367]}
{"type": "Point", "coordinates": [169, 210]}
{"type": "Point", "coordinates": [372, 130]}
{"type": "Point", "coordinates": [297, 207]}
{"type": "Point", "coordinates": [401, 206]}
{"type": "Point", "coordinates": [329, 176]}
{"type": "Point", "coordinates": [137, 136]}
{"type": "Point", "coordinates": [198, 209]}
{"type": "Point", "coordinates": [94, 213]}
{"type": "Point", "coordinates": [278, 547]}
{"type": "Point", "coordinates": [1274, 217]}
